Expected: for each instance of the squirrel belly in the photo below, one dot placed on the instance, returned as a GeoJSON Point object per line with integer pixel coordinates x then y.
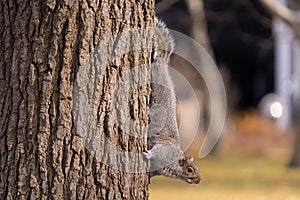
{"type": "Point", "coordinates": [164, 151]}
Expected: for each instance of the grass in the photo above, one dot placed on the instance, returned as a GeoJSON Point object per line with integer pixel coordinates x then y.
{"type": "Point", "coordinates": [234, 178]}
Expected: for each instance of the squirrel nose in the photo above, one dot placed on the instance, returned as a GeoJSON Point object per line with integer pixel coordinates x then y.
{"type": "Point", "coordinates": [198, 180]}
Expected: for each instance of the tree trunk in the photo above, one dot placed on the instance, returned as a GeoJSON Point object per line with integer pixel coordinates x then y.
{"type": "Point", "coordinates": [295, 158]}
{"type": "Point", "coordinates": [69, 127]}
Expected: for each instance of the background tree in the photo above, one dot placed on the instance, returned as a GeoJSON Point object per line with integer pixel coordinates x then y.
{"type": "Point", "coordinates": [43, 47]}
{"type": "Point", "coordinates": [241, 39]}
{"type": "Point", "coordinates": [287, 14]}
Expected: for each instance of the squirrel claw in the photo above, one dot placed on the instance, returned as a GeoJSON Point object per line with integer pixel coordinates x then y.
{"type": "Point", "coordinates": [147, 154]}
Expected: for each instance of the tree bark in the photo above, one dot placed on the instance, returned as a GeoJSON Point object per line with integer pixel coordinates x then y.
{"type": "Point", "coordinates": [48, 148]}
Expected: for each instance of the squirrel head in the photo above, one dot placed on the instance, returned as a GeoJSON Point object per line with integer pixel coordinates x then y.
{"type": "Point", "coordinates": [190, 171]}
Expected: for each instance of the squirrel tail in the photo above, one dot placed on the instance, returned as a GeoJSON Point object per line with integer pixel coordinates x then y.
{"type": "Point", "coordinates": [164, 42]}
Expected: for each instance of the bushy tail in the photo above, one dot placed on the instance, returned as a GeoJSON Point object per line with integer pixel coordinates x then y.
{"type": "Point", "coordinates": [164, 42]}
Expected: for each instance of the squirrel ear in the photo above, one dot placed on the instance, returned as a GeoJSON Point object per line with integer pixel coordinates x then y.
{"type": "Point", "coordinates": [182, 161]}
{"type": "Point", "coordinates": [191, 158]}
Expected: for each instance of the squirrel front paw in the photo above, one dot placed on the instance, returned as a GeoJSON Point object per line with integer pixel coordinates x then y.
{"type": "Point", "coordinates": [147, 154]}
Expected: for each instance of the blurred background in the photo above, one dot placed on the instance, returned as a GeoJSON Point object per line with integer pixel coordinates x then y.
{"type": "Point", "coordinates": [255, 45]}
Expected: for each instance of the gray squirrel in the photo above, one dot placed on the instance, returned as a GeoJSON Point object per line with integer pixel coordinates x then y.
{"type": "Point", "coordinates": [164, 151]}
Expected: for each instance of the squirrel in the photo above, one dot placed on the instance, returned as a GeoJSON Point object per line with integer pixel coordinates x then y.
{"type": "Point", "coordinates": [164, 151]}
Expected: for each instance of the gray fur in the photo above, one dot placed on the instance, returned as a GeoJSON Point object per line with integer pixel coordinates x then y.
{"type": "Point", "coordinates": [164, 152]}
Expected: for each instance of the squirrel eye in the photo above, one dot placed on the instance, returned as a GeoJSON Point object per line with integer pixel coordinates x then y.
{"type": "Point", "coordinates": [190, 170]}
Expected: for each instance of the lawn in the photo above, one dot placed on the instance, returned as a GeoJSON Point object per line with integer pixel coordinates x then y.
{"type": "Point", "coordinates": [234, 178]}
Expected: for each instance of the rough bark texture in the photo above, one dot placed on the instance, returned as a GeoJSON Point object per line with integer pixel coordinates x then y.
{"type": "Point", "coordinates": [43, 44]}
